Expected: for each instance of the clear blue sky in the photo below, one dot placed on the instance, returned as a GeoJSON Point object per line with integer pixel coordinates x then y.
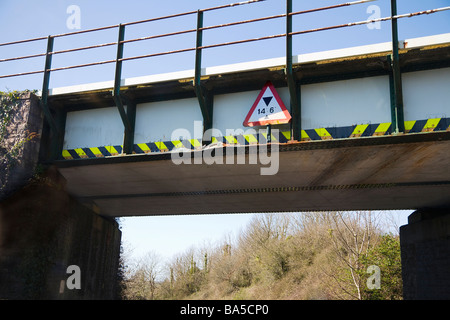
{"type": "Point", "coordinates": [23, 19]}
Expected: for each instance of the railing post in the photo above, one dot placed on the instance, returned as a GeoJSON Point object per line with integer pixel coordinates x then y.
{"type": "Point", "coordinates": [128, 118]}
{"type": "Point", "coordinates": [119, 56]}
{"type": "Point", "coordinates": [56, 128]}
{"type": "Point", "coordinates": [397, 114]}
{"type": "Point", "coordinates": [46, 82]}
{"type": "Point", "coordinates": [205, 101]}
{"type": "Point", "coordinates": [293, 84]}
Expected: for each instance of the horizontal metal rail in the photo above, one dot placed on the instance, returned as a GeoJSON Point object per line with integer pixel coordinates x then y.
{"type": "Point", "coordinates": [84, 31]}
{"type": "Point", "coordinates": [157, 54]}
{"type": "Point", "coordinates": [111, 43]}
{"type": "Point", "coordinates": [284, 14]}
{"type": "Point", "coordinates": [160, 36]}
{"type": "Point", "coordinates": [408, 15]}
{"type": "Point", "coordinates": [419, 13]}
{"type": "Point", "coordinates": [400, 16]}
{"type": "Point", "coordinates": [23, 57]}
{"type": "Point", "coordinates": [224, 25]}
{"type": "Point", "coordinates": [192, 31]}
{"type": "Point", "coordinates": [242, 41]}
{"type": "Point", "coordinates": [83, 65]}
{"type": "Point", "coordinates": [230, 5]}
{"type": "Point", "coordinates": [60, 51]}
{"type": "Point", "coordinates": [22, 41]}
{"type": "Point", "coordinates": [232, 24]}
{"type": "Point", "coordinates": [21, 74]}
{"type": "Point", "coordinates": [85, 48]}
{"type": "Point", "coordinates": [132, 23]}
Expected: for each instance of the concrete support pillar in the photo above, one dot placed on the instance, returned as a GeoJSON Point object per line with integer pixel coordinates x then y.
{"type": "Point", "coordinates": [52, 247]}
{"type": "Point", "coordinates": [425, 253]}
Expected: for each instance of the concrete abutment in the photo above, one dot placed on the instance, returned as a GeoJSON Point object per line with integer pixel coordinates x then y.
{"type": "Point", "coordinates": [425, 253]}
{"type": "Point", "coordinates": [44, 231]}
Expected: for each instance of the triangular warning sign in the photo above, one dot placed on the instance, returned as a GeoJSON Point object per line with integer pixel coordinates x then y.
{"type": "Point", "coordinates": [267, 109]}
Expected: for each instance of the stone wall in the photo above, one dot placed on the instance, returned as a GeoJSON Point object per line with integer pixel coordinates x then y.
{"type": "Point", "coordinates": [425, 252]}
{"type": "Point", "coordinates": [23, 136]}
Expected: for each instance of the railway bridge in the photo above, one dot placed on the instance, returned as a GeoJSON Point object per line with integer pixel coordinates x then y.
{"type": "Point", "coordinates": [361, 128]}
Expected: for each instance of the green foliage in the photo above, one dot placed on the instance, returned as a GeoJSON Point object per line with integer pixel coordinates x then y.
{"type": "Point", "coordinates": [385, 255]}
{"type": "Point", "coordinates": [286, 257]}
{"type": "Point", "coordinates": [9, 102]}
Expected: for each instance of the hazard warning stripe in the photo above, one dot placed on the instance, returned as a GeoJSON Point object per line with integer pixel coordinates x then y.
{"type": "Point", "coordinates": [66, 154]}
{"type": "Point", "coordinates": [96, 152]}
{"type": "Point", "coordinates": [355, 131]}
{"type": "Point", "coordinates": [438, 124]}
{"type": "Point", "coordinates": [105, 152]}
{"type": "Point", "coordinates": [359, 130]}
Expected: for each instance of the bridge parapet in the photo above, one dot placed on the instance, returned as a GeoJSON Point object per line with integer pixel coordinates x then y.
{"type": "Point", "coordinates": [336, 103]}
{"type": "Point", "coordinates": [303, 78]}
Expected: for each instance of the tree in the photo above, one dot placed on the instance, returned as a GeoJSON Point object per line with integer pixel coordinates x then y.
{"type": "Point", "coordinates": [353, 234]}
{"type": "Point", "coordinates": [287, 256]}
{"type": "Point", "coordinates": [142, 279]}
{"type": "Point", "coordinates": [186, 276]}
{"type": "Point", "coordinates": [265, 243]}
{"type": "Point", "coordinates": [386, 256]}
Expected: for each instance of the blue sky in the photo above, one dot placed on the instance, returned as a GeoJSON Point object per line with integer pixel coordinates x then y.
{"type": "Point", "coordinates": [24, 19]}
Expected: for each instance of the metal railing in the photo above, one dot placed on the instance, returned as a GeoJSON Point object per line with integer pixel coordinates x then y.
{"type": "Point", "coordinates": [118, 43]}
{"type": "Point", "coordinates": [198, 29]}
{"type": "Point", "coordinates": [199, 46]}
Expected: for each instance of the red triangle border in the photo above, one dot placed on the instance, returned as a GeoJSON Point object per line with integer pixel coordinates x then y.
{"type": "Point", "coordinates": [287, 115]}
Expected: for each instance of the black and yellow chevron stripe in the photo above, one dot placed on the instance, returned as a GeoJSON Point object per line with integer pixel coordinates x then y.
{"type": "Point", "coordinates": [166, 146]}
{"type": "Point", "coordinates": [108, 151]}
{"type": "Point", "coordinates": [437, 124]}
{"type": "Point", "coordinates": [97, 152]}
{"type": "Point", "coordinates": [355, 131]}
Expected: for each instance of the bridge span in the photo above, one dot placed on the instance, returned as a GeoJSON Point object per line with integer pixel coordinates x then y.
{"type": "Point", "coordinates": [369, 129]}
{"type": "Point", "coordinates": [349, 155]}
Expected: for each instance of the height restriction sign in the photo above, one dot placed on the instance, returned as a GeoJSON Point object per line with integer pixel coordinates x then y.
{"type": "Point", "coordinates": [268, 109]}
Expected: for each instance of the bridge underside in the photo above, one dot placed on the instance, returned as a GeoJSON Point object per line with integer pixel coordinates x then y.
{"type": "Point", "coordinates": [374, 173]}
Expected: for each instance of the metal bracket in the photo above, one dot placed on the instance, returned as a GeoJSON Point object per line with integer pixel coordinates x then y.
{"type": "Point", "coordinates": [205, 97]}
{"type": "Point", "coordinates": [293, 84]}
{"type": "Point", "coordinates": [45, 85]}
{"type": "Point", "coordinates": [56, 127]}
{"type": "Point", "coordinates": [397, 113]}
{"type": "Point", "coordinates": [128, 117]}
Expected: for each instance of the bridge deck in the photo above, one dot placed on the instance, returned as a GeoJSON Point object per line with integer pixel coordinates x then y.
{"type": "Point", "coordinates": [391, 172]}
{"type": "Point", "coordinates": [407, 171]}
